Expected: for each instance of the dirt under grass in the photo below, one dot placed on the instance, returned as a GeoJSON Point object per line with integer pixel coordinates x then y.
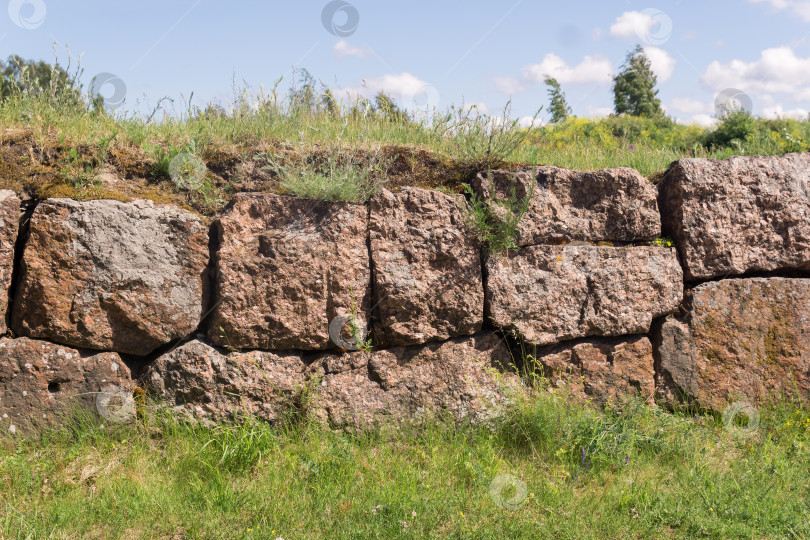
{"type": "Point", "coordinates": [41, 168]}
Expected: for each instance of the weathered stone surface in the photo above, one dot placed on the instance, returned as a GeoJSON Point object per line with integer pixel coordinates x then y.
{"type": "Point", "coordinates": [459, 377]}
{"type": "Point", "coordinates": [554, 293]}
{"type": "Point", "coordinates": [616, 205]}
{"type": "Point", "coordinates": [741, 339]}
{"type": "Point", "coordinates": [286, 267]}
{"type": "Point", "coordinates": [738, 215]}
{"type": "Point", "coordinates": [427, 267]}
{"type": "Point", "coordinates": [358, 389]}
{"type": "Point", "coordinates": [9, 226]}
{"type": "Point", "coordinates": [197, 379]}
{"type": "Point", "coordinates": [39, 379]}
{"type": "Point", "coordinates": [602, 370]}
{"type": "Point", "coordinates": [108, 275]}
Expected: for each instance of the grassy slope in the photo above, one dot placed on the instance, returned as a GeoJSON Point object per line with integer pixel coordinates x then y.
{"type": "Point", "coordinates": [645, 473]}
{"type": "Point", "coordinates": [684, 477]}
{"type": "Point", "coordinates": [64, 148]}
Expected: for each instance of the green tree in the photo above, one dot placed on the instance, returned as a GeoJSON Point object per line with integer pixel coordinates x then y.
{"type": "Point", "coordinates": [634, 90]}
{"type": "Point", "coordinates": [35, 78]}
{"type": "Point", "coordinates": [736, 126]}
{"type": "Point", "coordinates": [304, 95]}
{"type": "Point", "coordinates": [386, 106]}
{"type": "Point", "coordinates": [559, 107]}
{"type": "Point", "coordinates": [329, 104]}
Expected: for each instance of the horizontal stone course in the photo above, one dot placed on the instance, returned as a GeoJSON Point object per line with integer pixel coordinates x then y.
{"type": "Point", "coordinates": [357, 389]}
{"type": "Point", "coordinates": [738, 215]}
{"type": "Point", "coordinates": [740, 339]}
{"type": "Point", "coordinates": [285, 268]}
{"type": "Point", "coordinates": [427, 267]}
{"type": "Point", "coordinates": [549, 294]}
{"type": "Point", "coordinates": [612, 205]}
{"type": "Point", "coordinates": [40, 381]}
{"type": "Point", "coordinates": [108, 275]}
{"type": "Point", "coordinates": [603, 370]}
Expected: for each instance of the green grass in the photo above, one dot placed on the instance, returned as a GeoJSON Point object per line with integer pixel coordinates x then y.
{"type": "Point", "coordinates": [637, 472]}
{"type": "Point", "coordinates": [339, 176]}
{"type": "Point", "coordinates": [465, 139]}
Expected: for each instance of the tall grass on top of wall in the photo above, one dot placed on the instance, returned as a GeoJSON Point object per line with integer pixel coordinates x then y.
{"type": "Point", "coordinates": [309, 114]}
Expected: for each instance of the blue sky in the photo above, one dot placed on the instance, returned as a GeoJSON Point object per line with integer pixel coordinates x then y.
{"type": "Point", "coordinates": [431, 52]}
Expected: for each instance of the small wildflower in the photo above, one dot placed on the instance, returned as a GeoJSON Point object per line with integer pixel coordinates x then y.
{"type": "Point", "coordinates": [413, 514]}
{"type": "Point", "coordinates": [559, 259]}
{"type": "Point", "coordinates": [461, 514]}
{"type": "Point", "coordinates": [531, 495]}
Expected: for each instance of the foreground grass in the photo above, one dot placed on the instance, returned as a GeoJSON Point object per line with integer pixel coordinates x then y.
{"type": "Point", "coordinates": [638, 472]}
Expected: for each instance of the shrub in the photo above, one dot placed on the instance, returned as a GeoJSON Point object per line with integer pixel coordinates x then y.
{"type": "Point", "coordinates": [735, 125]}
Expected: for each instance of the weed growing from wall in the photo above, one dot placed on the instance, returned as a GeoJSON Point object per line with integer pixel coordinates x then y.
{"type": "Point", "coordinates": [497, 221]}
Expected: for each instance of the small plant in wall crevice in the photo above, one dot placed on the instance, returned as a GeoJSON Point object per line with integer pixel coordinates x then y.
{"type": "Point", "coordinates": [497, 221]}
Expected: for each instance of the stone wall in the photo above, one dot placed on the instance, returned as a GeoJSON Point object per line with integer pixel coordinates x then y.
{"type": "Point", "coordinates": [271, 309]}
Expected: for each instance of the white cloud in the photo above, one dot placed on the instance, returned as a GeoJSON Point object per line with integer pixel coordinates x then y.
{"type": "Point", "coordinates": [631, 24]}
{"type": "Point", "coordinates": [662, 64]}
{"type": "Point", "coordinates": [704, 120]}
{"type": "Point", "coordinates": [342, 49]}
{"type": "Point", "coordinates": [691, 106]}
{"type": "Point", "coordinates": [528, 121]}
{"type": "Point", "coordinates": [778, 70]}
{"type": "Point", "coordinates": [599, 112]}
{"type": "Point", "coordinates": [404, 83]}
{"type": "Point", "coordinates": [509, 85]}
{"type": "Point", "coordinates": [410, 91]}
{"type": "Point", "coordinates": [593, 69]}
{"type": "Point", "coordinates": [480, 107]}
{"type": "Point", "coordinates": [798, 7]}
{"type": "Point", "coordinates": [777, 112]}
{"type": "Point", "coordinates": [802, 95]}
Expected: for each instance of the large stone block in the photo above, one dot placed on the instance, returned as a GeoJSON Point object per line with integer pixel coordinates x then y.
{"type": "Point", "coordinates": [464, 378]}
{"type": "Point", "coordinates": [738, 215]}
{"type": "Point", "coordinates": [358, 389]}
{"type": "Point", "coordinates": [287, 267]}
{"type": "Point", "coordinates": [616, 205]}
{"type": "Point", "coordinates": [740, 339]}
{"type": "Point", "coordinates": [103, 274]}
{"type": "Point", "coordinates": [40, 381]}
{"type": "Point", "coordinates": [603, 370]}
{"type": "Point", "coordinates": [9, 227]}
{"type": "Point", "coordinates": [554, 293]}
{"type": "Point", "coordinates": [427, 267]}
{"type": "Point", "coordinates": [197, 379]}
